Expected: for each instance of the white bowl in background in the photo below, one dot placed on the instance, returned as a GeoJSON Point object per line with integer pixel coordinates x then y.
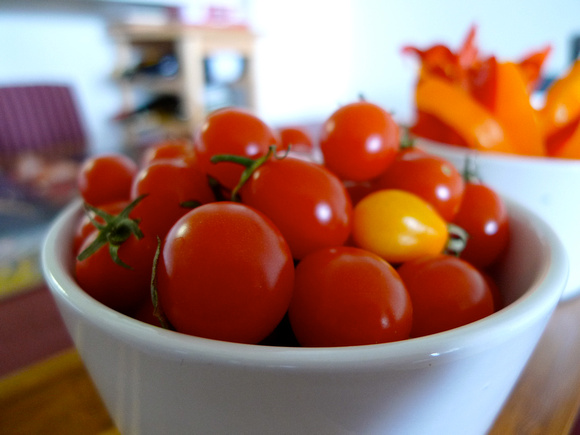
{"type": "Point", "coordinates": [155, 381]}
{"type": "Point", "coordinates": [548, 186]}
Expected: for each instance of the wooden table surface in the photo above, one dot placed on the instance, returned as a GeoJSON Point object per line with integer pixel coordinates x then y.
{"type": "Point", "coordinates": [56, 396]}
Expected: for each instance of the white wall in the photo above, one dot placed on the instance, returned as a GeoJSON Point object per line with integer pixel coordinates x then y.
{"type": "Point", "coordinates": [312, 55]}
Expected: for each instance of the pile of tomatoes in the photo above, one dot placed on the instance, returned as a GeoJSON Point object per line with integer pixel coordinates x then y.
{"type": "Point", "coordinates": [243, 235]}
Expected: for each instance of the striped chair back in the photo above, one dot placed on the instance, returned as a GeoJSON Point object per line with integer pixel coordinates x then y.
{"type": "Point", "coordinates": [41, 119]}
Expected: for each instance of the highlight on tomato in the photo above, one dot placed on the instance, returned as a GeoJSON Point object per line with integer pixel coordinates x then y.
{"type": "Point", "coordinates": [347, 296]}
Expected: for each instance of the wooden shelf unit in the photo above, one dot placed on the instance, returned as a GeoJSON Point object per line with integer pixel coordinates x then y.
{"type": "Point", "coordinates": [191, 45]}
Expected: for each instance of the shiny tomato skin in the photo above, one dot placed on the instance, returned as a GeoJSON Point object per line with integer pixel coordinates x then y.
{"type": "Point", "coordinates": [106, 178]}
{"type": "Point", "coordinates": [171, 186]}
{"type": "Point", "coordinates": [484, 216]}
{"type": "Point", "coordinates": [446, 292]}
{"type": "Point", "coordinates": [305, 201]}
{"type": "Point", "coordinates": [231, 131]}
{"type": "Point", "coordinates": [347, 296]}
{"type": "Point", "coordinates": [117, 287]}
{"type": "Point", "coordinates": [359, 141]}
{"type": "Point", "coordinates": [398, 226]}
{"type": "Point", "coordinates": [430, 177]}
{"type": "Point", "coordinates": [225, 272]}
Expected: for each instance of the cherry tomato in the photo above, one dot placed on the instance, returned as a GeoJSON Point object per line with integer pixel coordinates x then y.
{"type": "Point", "coordinates": [446, 292]}
{"type": "Point", "coordinates": [359, 141]}
{"type": "Point", "coordinates": [398, 226]}
{"type": "Point", "coordinates": [178, 148]}
{"type": "Point", "coordinates": [231, 131]}
{"type": "Point", "coordinates": [347, 296]}
{"type": "Point", "coordinates": [296, 138]}
{"type": "Point", "coordinates": [225, 272]}
{"type": "Point", "coordinates": [106, 178]}
{"type": "Point", "coordinates": [430, 177]}
{"type": "Point", "coordinates": [118, 287]}
{"type": "Point", "coordinates": [305, 201]}
{"type": "Point", "coordinates": [172, 188]}
{"type": "Point", "coordinates": [484, 216]}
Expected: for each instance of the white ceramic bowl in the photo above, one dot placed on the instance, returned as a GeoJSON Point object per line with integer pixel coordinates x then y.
{"type": "Point", "coordinates": [155, 381]}
{"type": "Point", "coordinates": [547, 186]}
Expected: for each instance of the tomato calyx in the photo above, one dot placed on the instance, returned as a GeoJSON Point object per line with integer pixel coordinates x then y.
{"type": "Point", "coordinates": [114, 232]}
{"type": "Point", "coordinates": [251, 165]}
{"type": "Point", "coordinates": [407, 141]}
{"type": "Point", "coordinates": [457, 240]}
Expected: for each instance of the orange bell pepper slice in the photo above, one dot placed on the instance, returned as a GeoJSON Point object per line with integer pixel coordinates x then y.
{"type": "Point", "coordinates": [455, 107]}
{"type": "Point", "coordinates": [562, 103]}
{"type": "Point", "coordinates": [513, 109]}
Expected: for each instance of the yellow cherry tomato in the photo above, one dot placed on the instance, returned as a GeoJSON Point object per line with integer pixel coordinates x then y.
{"type": "Point", "coordinates": [398, 226]}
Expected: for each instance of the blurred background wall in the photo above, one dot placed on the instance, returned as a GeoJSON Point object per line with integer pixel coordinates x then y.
{"type": "Point", "coordinates": [311, 55]}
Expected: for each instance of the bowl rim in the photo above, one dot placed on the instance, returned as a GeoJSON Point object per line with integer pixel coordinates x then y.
{"type": "Point", "coordinates": [539, 301]}
{"type": "Point", "coordinates": [516, 159]}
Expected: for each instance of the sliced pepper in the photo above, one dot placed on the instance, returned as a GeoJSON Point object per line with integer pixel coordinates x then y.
{"type": "Point", "coordinates": [562, 103]}
{"type": "Point", "coordinates": [565, 143]}
{"type": "Point", "coordinates": [531, 66]}
{"type": "Point", "coordinates": [483, 82]}
{"type": "Point", "coordinates": [455, 107]}
{"type": "Point", "coordinates": [429, 127]}
{"type": "Point", "coordinates": [514, 110]}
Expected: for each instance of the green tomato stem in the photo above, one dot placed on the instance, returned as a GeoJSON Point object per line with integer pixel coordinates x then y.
{"type": "Point", "coordinates": [457, 241]}
{"type": "Point", "coordinates": [116, 230]}
{"type": "Point", "coordinates": [251, 166]}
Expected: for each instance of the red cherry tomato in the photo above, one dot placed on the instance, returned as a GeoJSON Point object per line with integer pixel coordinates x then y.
{"type": "Point", "coordinates": [172, 188]}
{"type": "Point", "coordinates": [446, 292]}
{"type": "Point", "coordinates": [106, 178]}
{"type": "Point", "coordinates": [117, 287]}
{"type": "Point", "coordinates": [430, 177]}
{"type": "Point", "coordinates": [225, 272]}
{"type": "Point", "coordinates": [231, 131]}
{"type": "Point", "coordinates": [305, 201]}
{"type": "Point", "coordinates": [296, 138]}
{"type": "Point", "coordinates": [168, 149]}
{"type": "Point", "coordinates": [484, 216]}
{"type": "Point", "coordinates": [348, 296]}
{"type": "Point", "coordinates": [359, 141]}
